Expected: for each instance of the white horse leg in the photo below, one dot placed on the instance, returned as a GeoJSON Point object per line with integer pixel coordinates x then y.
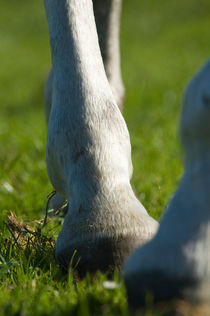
{"type": "Point", "coordinates": [88, 147]}
{"type": "Point", "coordinates": [107, 15]}
{"type": "Point", "coordinates": [176, 262]}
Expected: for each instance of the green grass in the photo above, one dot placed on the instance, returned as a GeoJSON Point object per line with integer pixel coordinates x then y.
{"type": "Point", "coordinates": [163, 45]}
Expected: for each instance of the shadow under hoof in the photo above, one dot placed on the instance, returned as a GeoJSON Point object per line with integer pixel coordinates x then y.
{"type": "Point", "coordinates": [103, 254]}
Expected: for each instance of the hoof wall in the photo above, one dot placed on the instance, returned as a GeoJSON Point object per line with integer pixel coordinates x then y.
{"type": "Point", "coordinates": [151, 288]}
{"type": "Point", "coordinates": [100, 254]}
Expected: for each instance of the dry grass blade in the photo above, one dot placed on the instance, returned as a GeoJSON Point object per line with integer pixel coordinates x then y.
{"type": "Point", "coordinates": [27, 234]}
{"type": "Point", "coordinates": [15, 225]}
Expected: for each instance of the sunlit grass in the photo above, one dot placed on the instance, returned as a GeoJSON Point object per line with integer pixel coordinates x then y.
{"type": "Point", "coordinates": [163, 44]}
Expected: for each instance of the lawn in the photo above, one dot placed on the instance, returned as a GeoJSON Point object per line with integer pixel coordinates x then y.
{"type": "Point", "coordinates": [163, 44]}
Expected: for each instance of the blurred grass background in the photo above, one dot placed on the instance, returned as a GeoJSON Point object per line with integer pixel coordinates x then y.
{"type": "Point", "coordinates": [163, 44]}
